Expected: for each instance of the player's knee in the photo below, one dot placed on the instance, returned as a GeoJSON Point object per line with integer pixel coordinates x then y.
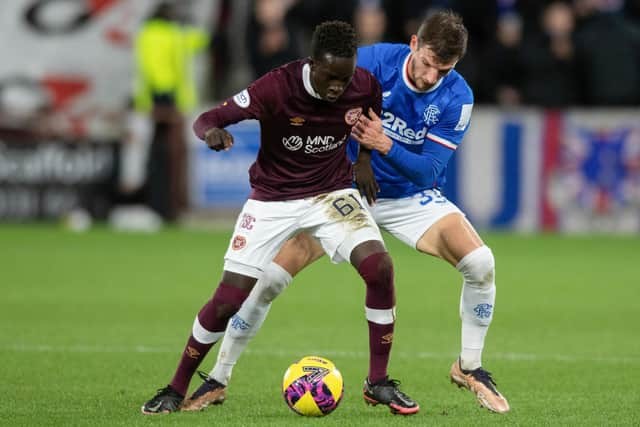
{"type": "Point", "coordinates": [273, 282]}
{"type": "Point", "coordinates": [377, 272]}
{"type": "Point", "coordinates": [478, 267]}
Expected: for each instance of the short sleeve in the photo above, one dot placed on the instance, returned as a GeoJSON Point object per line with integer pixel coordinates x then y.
{"type": "Point", "coordinates": [454, 121]}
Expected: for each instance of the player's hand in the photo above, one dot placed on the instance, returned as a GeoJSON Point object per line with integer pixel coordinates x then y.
{"type": "Point", "coordinates": [369, 133]}
{"type": "Point", "coordinates": [218, 139]}
{"type": "Point", "coordinates": [365, 178]}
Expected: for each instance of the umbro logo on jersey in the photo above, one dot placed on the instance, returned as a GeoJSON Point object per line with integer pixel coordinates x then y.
{"type": "Point", "coordinates": [296, 121]}
{"type": "Point", "coordinates": [386, 94]}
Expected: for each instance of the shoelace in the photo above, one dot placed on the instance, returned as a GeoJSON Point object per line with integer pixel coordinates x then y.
{"type": "Point", "coordinates": [167, 391]}
{"type": "Point", "coordinates": [210, 383]}
{"type": "Point", "coordinates": [395, 383]}
{"type": "Point", "coordinates": [485, 378]}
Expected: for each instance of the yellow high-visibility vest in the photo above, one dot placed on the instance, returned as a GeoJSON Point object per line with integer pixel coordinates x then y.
{"type": "Point", "coordinates": [164, 52]}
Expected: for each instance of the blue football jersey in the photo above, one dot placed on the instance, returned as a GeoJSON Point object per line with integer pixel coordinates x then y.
{"type": "Point", "coordinates": [426, 126]}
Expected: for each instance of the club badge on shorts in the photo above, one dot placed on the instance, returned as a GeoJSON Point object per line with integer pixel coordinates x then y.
{"type": "Point", "coordinates": [238, 243]}
{"type": "Point", "coordinates": [351, 116]}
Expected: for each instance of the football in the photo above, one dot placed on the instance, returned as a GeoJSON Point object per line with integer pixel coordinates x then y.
{"type": "Point", "coordinates": [312, 386]}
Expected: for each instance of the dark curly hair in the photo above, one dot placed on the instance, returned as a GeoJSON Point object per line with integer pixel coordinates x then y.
{"type": "Point", "coordinates": [337, 38]}
{"type": "Point", "coordinates": [445, 34]}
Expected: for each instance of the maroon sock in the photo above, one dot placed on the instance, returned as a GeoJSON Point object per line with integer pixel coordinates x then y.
{"type": "Point", "coordinates": [380, 339]}
{"type": "Point", "coordinates": [213, 317]}
{"type": "Point", "coordinates": [377, 272]}
{"type": "Point", "coordinates": [193, 354]}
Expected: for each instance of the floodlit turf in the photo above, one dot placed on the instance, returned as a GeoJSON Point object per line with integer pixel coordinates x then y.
{"type": "Point", "coordinates": [92, 324]}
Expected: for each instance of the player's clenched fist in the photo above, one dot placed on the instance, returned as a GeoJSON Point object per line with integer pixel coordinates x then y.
{"type": "Point", "coordinates": [218, 139]}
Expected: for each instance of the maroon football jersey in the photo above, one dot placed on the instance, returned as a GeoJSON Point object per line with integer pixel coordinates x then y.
{"type": "Point", "coordinates": [303, 139]}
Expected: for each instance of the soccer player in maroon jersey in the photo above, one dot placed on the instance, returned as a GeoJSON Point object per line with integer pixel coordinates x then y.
{"type": "Point", "coordinates": [301, 181]}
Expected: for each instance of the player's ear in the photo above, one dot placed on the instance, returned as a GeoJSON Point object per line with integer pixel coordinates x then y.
{"type": "Point", "coordinates": [413, 44]}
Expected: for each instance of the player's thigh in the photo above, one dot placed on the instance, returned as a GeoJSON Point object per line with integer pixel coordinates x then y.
{"type": "Point", "coordinates": [452, 237]}
{"type": "Point", "coordinates": [408, 218]}
{"type": "Point", "coordinates": [341, 223]}
{"type": "Point", "coordinates": [260, 231]}
{"type": "Point", "coordinates": [298, 252]}
{"type": "Point", "coordinates": [426, 221]}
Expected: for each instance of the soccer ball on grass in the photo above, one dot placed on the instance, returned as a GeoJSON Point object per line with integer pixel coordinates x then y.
{"type": "Point", "coordinates": [312, 386]}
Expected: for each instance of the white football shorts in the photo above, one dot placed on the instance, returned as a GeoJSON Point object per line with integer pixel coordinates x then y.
{"type": "Point", "coordinates": [338, 220]}
{"type": "Point", "coordinates": [409, 218]}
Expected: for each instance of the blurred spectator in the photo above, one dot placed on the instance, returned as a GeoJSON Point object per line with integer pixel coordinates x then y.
{"type": "Point", "coordinates": [501, 81]}
{"type": "Point", "coordinates": [165, 89]}
{"type": "Point", "coordinates": [370, 22]}
{"type": "Point", "coordinates": [480, 18]}
{"type": "Point", "coordinates": [404, 16]}
{"type": "Point", "coordinates": [270, 40]}
{"type": "Point", "coordinates": [548, 59]}
{"type": "Point", "coordinates": [608, 53]}
{"type": "Point", "coordinates": [220, 51]}
{"type": "Point", "coordinates": [305, 15]}
{"type": "Point", "coordinates": [632, 10]}
{"type": "Point", "coordinates": [530, 12]}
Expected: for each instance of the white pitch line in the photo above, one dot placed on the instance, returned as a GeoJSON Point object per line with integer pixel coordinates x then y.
{"type": "Point", "coordinates": [45, 348]}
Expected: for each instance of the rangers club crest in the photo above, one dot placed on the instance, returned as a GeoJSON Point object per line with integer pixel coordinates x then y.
{"type": "Point", "coordinates": [483, 311]}
{"type": "Point", "coordinates": [351, 116]}
{"type": "Point", "coordinates": [431, 115]}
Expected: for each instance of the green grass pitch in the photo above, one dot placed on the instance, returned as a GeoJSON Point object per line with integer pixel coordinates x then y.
{"type": "Point", "coordinates": [91, 324]}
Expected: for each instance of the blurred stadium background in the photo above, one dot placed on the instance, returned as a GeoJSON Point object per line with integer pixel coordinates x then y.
{"type": "Point", "coordinates": [555, 141]}
{"type": "Point", "coordinates": [549, 173]}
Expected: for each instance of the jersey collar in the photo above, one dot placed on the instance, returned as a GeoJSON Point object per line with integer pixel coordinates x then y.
{"type": "Point", "coordinates": [306, 80]}
{"type": "Point", "coordinates": [407, 80]}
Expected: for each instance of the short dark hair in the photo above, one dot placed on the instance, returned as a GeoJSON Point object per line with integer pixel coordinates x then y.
{"type": "Point", "coordinates": [445, 34]}
{"type": "Point", "coordinates": [337, 38]}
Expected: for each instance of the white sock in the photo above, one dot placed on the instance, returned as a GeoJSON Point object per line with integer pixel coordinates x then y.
{"type": "Point", "coordinates": [476, 304]}
{"type": "Point", "coordinates": [248, 320]}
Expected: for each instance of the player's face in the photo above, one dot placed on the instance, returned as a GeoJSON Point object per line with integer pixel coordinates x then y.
{"type": "Point", "coordinates": [330, 75]}
{"type": "Point", "coordinates": [425, 69]}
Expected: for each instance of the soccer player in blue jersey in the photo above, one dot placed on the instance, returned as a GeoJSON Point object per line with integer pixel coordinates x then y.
{"type": "Point", "coordinates": [426, 109]}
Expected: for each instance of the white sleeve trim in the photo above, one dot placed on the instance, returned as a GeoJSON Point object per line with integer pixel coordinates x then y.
{"type": "Point", "coordinates": [442, 141]}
